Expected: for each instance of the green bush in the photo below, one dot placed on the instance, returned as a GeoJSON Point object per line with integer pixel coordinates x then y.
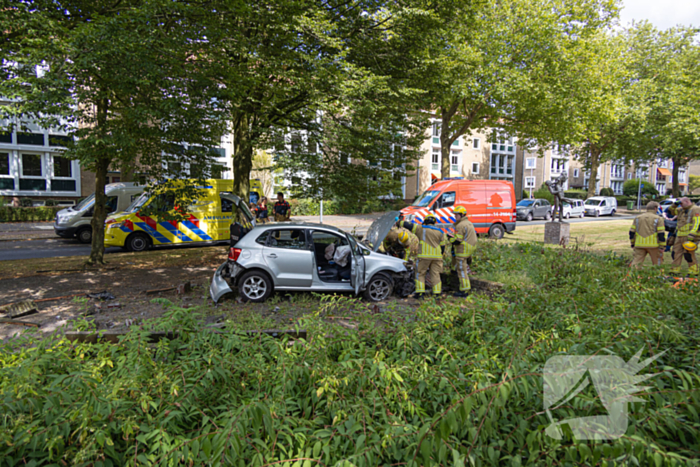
{"type": "Point", "coordinates": [309, 207]}
{"type": "Point", "coordinates": [26, 202]}
{"type": "Point", "coordinates": [455, 383]}
{"type": "Point", "coordinates": [576, 194]}
{"type": "Point", "coordinates": [526, 194]}
{"type": "Point", "coordinates": [38, 214]}
{"type": "Point", "coordinates": [607, 192]}
{"type": "Point", "coordinates": [543, 192]}
{"type": "Point", "coordinates": [51, 202]}
{"type": "Point", "coordinates": [631, 188]}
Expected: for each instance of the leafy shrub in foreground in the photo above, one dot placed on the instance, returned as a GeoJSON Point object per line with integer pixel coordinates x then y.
{"type": "Point", "coordinates": [448, 385]}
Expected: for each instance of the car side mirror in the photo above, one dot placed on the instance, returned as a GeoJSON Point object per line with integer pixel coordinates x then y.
{"type": "Point", "coordinates": [366, 252]}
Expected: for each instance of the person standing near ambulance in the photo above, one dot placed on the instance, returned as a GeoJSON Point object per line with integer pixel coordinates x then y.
{"type": "Point", "coordinates": [686, 237]}
{"type": "Point", "coordinates": [282, 210]}
{"type": "Point", "coordinates": [647, 237]}
{"type": "Point", "coordinates": [464, 242]}
{"type": "Point", "coordinates": [432, 240]}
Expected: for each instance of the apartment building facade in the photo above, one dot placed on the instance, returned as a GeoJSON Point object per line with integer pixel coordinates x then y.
{"type": "Point", "coordinates": [488, 155]}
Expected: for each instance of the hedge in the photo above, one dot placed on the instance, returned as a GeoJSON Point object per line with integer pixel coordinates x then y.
{"type": "Point", "coordinates": [38, 214]}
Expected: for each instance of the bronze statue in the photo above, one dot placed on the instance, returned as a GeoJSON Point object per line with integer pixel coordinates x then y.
{"type": "Point", "coordinates": [556, 188]}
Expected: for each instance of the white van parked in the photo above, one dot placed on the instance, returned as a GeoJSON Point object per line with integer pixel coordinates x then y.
{"type": "Point", "coordinates": [600, 206]}
{"type": "Point", "coordinates": [75, 220]}
{"type": "Point", "coordinates": [573, 208]}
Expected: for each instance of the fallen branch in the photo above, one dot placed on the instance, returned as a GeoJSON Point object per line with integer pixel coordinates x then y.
{"type": "Point", "coordinates": [19, 323]}
{"type": "Point", "coordinates": [60, 298]}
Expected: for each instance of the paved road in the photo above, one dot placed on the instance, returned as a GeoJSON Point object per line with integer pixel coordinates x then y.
{"type": "Point", "coordinates": [56, 247]}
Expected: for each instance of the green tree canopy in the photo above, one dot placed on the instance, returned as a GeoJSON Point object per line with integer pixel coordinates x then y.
{"type": "Point", "coordinates": [123, 78]}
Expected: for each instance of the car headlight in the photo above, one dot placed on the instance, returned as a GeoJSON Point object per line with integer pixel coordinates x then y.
{"type": "Point", "coordinates": [115, 225]}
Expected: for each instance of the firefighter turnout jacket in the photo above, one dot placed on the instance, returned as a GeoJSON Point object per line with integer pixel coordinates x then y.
{"type": "Point", "coordinates": [464, 240]}
{"type": "Point", "coordinates": [431, 239]}
{"type": "Point", "coordinates": [689, 223]}
{"type": "Point", "coordinates": [647, 231]}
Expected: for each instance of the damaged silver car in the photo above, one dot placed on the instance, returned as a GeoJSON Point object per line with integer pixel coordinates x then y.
{"type": "Point", "coordinates": [299, 256]}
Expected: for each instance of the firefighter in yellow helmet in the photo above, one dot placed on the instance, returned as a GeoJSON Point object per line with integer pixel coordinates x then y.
{"type": "Point", "coordinates": [400, 237]}
{"type": "Point", "coordinates": [687, 237]}
{"type": "Point", "coordinates": [647, 237]}
{"type": "Point", "coordinates": [432, 240]}
{"type": "Point", "coordinates": [464, 243]}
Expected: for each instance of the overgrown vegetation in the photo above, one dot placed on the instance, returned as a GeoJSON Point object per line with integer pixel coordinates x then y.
{"type": "Point", "coordinates": [455, 383]}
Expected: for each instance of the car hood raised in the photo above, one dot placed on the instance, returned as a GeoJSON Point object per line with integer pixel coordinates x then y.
{"type": "Point", "coordinates": [379, 230]}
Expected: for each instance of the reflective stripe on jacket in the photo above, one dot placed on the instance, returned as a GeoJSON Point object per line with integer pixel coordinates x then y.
{"type": "Point", "coordinates": [688, 221]}
{"type": "Point", "coordinates": [465, 234]}
{"type": "Point", "coordinates": [431, 239]}
{"type": "Point", "coordinates": [647, 228]}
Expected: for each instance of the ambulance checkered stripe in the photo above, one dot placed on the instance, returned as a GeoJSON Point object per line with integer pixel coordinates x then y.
{"type": "Point", "coordinates": [152, 232]}
{"type": "Point", "coordinates": [175, 232]}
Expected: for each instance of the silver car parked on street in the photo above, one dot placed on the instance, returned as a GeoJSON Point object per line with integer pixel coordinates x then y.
{"type": "Point", "coordinates": [299, 256]}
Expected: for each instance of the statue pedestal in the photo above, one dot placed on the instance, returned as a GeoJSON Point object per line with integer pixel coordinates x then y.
{"type": "Point", "coordinates": [556, 233]}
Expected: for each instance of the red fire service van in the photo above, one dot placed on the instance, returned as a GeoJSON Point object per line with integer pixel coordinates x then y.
{"type": "Point", "coordinates": [490, 204]}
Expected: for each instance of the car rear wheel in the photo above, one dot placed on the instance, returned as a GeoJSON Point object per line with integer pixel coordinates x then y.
{"type": "Point", "coordinates": [496, 231]}
{"type": "Point", "coordinates": [255, 286]}
{"type": "Point", "coordinates": [379, 288]}
{"type": "Point", "coordinates": [138, 242]}
{"type": "Point", "coordinates": [84, 235]}
{"type": "Point", "coordinates": [612, 213]}
{"type": "Point", "coordinates": [567, 215]}
{"type": "Point", "coordinates": [528, 217]}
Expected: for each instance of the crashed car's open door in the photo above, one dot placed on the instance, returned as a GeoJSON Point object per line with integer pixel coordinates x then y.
{"type": "Point", "coordinates": [357, 267]}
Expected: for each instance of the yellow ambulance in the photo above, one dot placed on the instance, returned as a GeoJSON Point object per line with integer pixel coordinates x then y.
{"type": "Point", "coordinates": [208, 219]}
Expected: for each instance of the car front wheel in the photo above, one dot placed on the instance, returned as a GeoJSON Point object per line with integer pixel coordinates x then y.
{"type": "Point", "coordinates": [567, 215]}
{"type": "Point", "coordinates": [547, 216]}
{"type": "Point", "coordinates": [529, 217]}
{"type": "Point", "coordinates": [379, 288]}
{"type": "Point", "coordinates": [255, 286]}
{"type": "Point", "coordinates": [597, 213]}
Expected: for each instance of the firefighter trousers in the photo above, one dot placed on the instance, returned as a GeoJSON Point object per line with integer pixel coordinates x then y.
{"type": "Point", "coordinates": [680, 253]}
{"type": "Point", "coordinates": [462, 269]}
{"type": "Point", "coordinates": [430, 268]}
{"type": "Point", "coordinates": [640, 255]}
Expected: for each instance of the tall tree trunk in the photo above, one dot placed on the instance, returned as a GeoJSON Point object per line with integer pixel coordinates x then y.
{"type": "Point", "coordinates": [675, 187]}
{"type": "Point", "coordinates": [97, 248]}
{"type": "Point", "coordinates": [594, 163]}
{"type": "Point", "coordinates": [242, 159]}
{"type": "Point", "coordinates": [445, 144]}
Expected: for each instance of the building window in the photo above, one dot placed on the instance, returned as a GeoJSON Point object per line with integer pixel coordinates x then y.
{"type": "Point", "coordinates": [436, 129]}
{"type": "Point", "coordinates": [475, 168]}
{"type": "Point", "coordinates": [31, 165]}
{"type": "Point", "coordinates": [616, 187]}
{"type": "Point", "coordinates": [529, 182]}
{"type": "Point", "coordinates": [617, 171]}
{"type": "Point", "coordinates": [7, 182]}
{"type": "Point", "coordinates": [663, 163]}
{"type": "Point", "coordinates": [32, 139]}
{"type": "Point", "coordinates": [503, 143]}
{"type": "Point", "coordinates": [530, 163]}
{"type": "Point", "coordinates": [643, 172]}
{"type": "Point", "coordinates": [476, 144]}
{"type": "Point", "coordinates": [558, 165]}
{"type": "Point", "coordinates": [454, 163]}
{"type": "Point", "coordinates": [681, 176]}
{"type": "Point", "coordinates": [629, 175]}
{"type": "Point", "coordinates": [436, 161]}
{"type": "Point", "coordinates": [62, 167]}
{"type": "Point", "coordinates": [576, 173]}
{"type": "Point", "coordinates": [502, 165]}
{"type": "Point", "coordinates": [661, 188]}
